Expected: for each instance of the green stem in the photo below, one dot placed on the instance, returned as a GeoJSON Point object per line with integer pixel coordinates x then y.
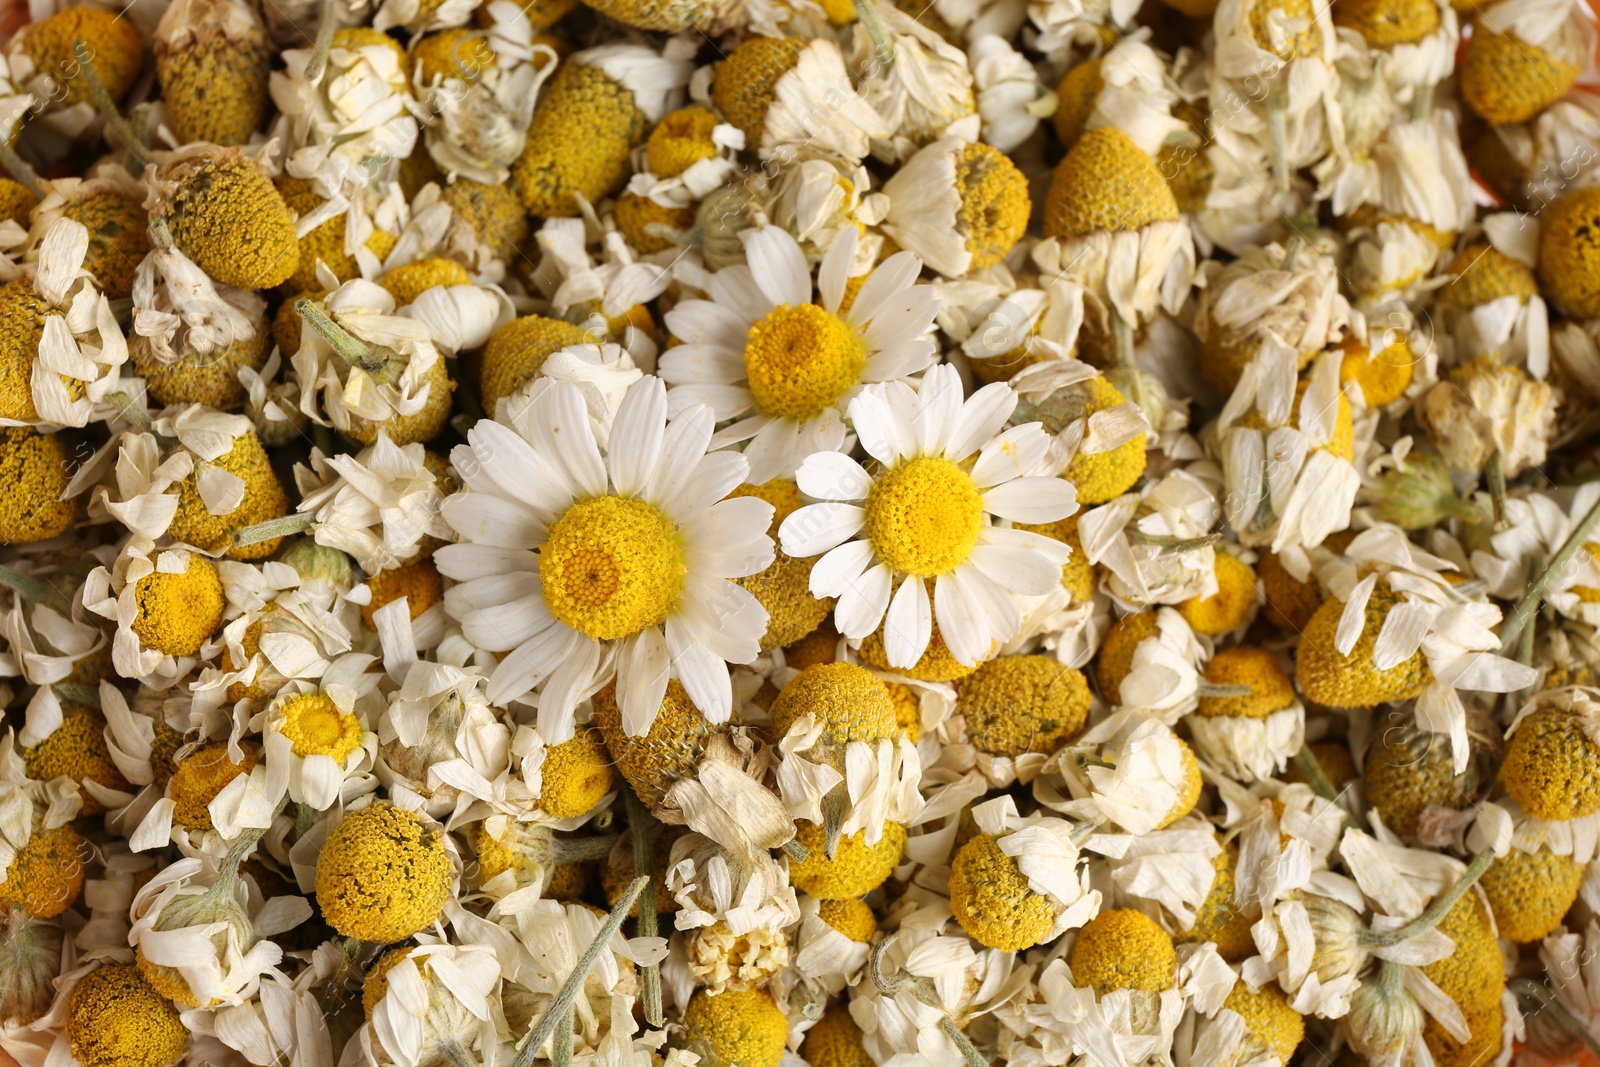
{"type": "Point", "coordinates": [1524, 611]}
{"type": "Point", "coordinates": [137, 152]}
{"type": "Point", "coordinates": [1496, 475]}
{"type": "Point", "coordinates": [795, 850]}
{"type": "Point", "coordinates": [561, 1042]}
{"type": "Point", "coordinates": [34, 591]}
{"type": "Point", "coordinates": [1437, 910]}
{"type": "Point", "coordinates": [135, 412]}
{"type": "Point", "coordinates": [968, 1052]}
{"type": "Point", "coordinates": [1122, 338]}
{"type": "Point", "coordinates": [1306, 760]}
{"type": "Point", "coordinates": [19, 170]}
{"type": "Point", "coordinates": [1547, 1001]}
{"type": "Point", "coordinates": [882, 43]}
{"type": "Point", "coordinates": [1221, 691]}
{"type": "Point", "coordinates": [161, 235]}
{"type": "Point", "coordinates": [324, 42]}
{"type": "Point", "coordinates": [281, 527]}
{"type": "Point", "coordinates": [1087, 759]}
{"type": "Point", "coordinates": [581, 849]}
{"type": "Point", "coordinates": [546, 1026]}
{"type": "Point", "coordinates": [354, 352]}
{"type": "Point", "coordinates": [644, 864]}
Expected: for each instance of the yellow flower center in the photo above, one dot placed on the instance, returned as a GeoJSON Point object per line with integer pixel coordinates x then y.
{"type": "Point", "coordinates": [316, 727]}
{"type": "Point", "coordinates": [801, 360]}
{"type": "Point", "coordinates": [611, 566]}
{"type": "Point", "coordinates": [923, 517]}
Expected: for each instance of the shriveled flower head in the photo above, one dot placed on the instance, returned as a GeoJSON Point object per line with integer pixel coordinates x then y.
{"type": "Point", "coordinates": [958, 205]}
{"type": "Point", "coordinates": [1485, 407]}
{"type": "Point", "coordinates": [634, 556]}
{"type": "Point", "coordinates": [781, 370]}
{"type": "Point", "coordinates": [439, 1004]}
{"type": "Point", "coordinates": [380, 505]}
{"type": "Point", "coordinates": [943, 467]}
{"type": "Point", "coordinates": [923, 93]}
{"type": "Point", "coordinates": [1017, 882]}
{"type": "Point", "coordinates": [793, 98]}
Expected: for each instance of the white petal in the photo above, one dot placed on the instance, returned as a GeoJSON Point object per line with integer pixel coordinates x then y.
{"type": "Point", "coordinates": [818, 528]}
{"type": "Point", "coordinates": [908, 627]}
{"type": "Point", "coordinates": [861, 605]}
{"type": "Point", "coordinates": [833, 476]}
{"type": "Point", "coordinates": [778, 266]}
{"type": "Point", "coordinates": [635, 442]}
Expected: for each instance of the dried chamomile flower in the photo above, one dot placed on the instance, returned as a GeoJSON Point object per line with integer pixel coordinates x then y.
{"type": "Point", "coordinates": [225, 215]}
{"type": "Point", "coordinates": [115, 1018]}
{"type": "Point", "coordinates": [734, 912]}
{"type": "Point", "coordinates": [213, 58]}
{"type": "Point", "coordinates": [793, 98]}
{"type": "Point", "coordinates": [1523, 55]}
{"type": "Point", "coordinates": [1017, 883]}
{"type": "Point", "coordinates": [383, 874]}
{"type": "Point", "coordinates": [1487, 411]}
{"type": "Point", "coordinates": [959, 206]}
{"type": "Point", "coordinates": [167, 604]}
{"type": "Point", "coordinates": [381, 505]}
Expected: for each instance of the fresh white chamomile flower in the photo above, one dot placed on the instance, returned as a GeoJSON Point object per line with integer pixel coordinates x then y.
{"type": "Point", "coordinates": [318, 735]}
{"type": "Point", "coordinates": [635, 552]}
{"type": "Point", "coordinates": [740, 348]}
{"type": "Point", "coordinates": [947, 467]}
{"type": "Point", "coordinates": [377, 505]}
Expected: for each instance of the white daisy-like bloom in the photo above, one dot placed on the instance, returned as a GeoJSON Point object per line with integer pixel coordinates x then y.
{"type": "Point", "coordinates": [1153, 543]}
{"type": "Point", "coordinates": [965, 981]}
{"type": "Point", "coordinates": [779, 369]}
{"type": "Point", "coordinates": [476, 125]}
{"type": "Point", "coordinates": [81, 342]}
{"type": "Point", "coordinates": [819, 201]}
{"type": "Point", "coordinates": [376, 505]}
{"type": "Point", "coordinates": [440, 1001]}
{"type": "Point", "coordinates": [1011, 99]}
{"type": "Point", "coordinates": [1128, 770]}
{"type": "Point", "coordinates": [1514, 330]}
{"type": "Point", "coordinates": [1289, 471]}
{"type": "Point", "coordinates": [947, 466]}
{"type": "Point", "coordinates": [1454, 632]}
{"type": "Point", "coordinates": [195, 925]}
{"type": "Point", "coordinates": [318, 735]}
{"type": "Point", "coordinates": [592, 289]}
{"type": "Point", "coordinates": [340, 394]}
{"type": "Point", "coordinates": [584, 567]}
{"type": "Point", "coordinates": [924, 93]}
{"type": "Point", "coordinates": [181, 313]}
{"type": "Point", "coordinates": [359, 117]}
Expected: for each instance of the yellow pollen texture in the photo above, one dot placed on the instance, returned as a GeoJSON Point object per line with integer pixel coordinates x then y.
{"type": "Point", "coordinates": [923, 516]}
{"type": "Point", "coordinates": [316, 727]}
{"type": "Point", "coordinates": [801, 360]}
{"type": "Point", "coordinates": [612, 566]}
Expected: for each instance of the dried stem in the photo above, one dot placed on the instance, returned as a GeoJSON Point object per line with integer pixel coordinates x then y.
{"type": "Point", "coordinates": [1529, 604]}
{"type": "Point", "coordinates": [644, 864]}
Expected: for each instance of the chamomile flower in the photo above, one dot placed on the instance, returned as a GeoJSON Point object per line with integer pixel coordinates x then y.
{"type": "Point", "coordinates": [379, 505]}
{"type": "Point", "coordinates": [780, 370]}
{"type": "Point", "coordinates": [167, 605]}
{"type": "Point", "coordinates": [626, 582]}
{"type": "Point", "coordinates": [317, 736]}
{"type": "Point", "coordinates": [946, 467]}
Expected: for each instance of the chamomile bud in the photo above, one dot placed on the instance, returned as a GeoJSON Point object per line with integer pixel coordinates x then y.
{"type": "Point", "coordinates": [1275, 1028]}
{"type": "Point", "coordinates": [1230, 606]}
{"type": "Point", "coordinates": [1474, 977]}
{"type": "Point", "coordinates": [1384, 23]}
{"type": "Point", "coordinates": [115, 1018]}
{"type": "Point", "coordinates": [1251, 736]}
{"type": "Point", "coordinates": [30, 962]}
{"type": "Point", "coordinates": [494, 213]}
{"type": "Point", "coordinates": [1287, 602]}
{"type": "Point", "coordinates": [1219, 919]}
{"type": "Point", "coordinates": [225, 215]}
{"type": "Point", "coordinates": [383, 874]}
{"type": "Point", "coordinates": [595, 110]}
{"type": "Point", "coordinates": [1418, 493]}
{"type": "Point", "coordinates": [992, 901]}
{"type": "Point", "coordinates": [199, 778]}
{"type": "Point", "coordinates": [212, 60]}
{"type": "Point", "coordinates": [406, 283]}
{"type": "Point", "coordinates": [1383, 375]}
{"type": "Point", "coordinates": [35, 466]}
{"type": "Point", "coordinates": [959, 206]}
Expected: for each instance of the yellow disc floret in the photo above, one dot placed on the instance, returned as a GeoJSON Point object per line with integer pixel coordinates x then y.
{"type": "Point", "coordinates": [407, 283]}
{"type": "Point", "coordinates": [114, 46]}
{"type": "Point", "coordinates": [1106, 183]}
{"type": "Point", "coordinates": [1474, 977]}
{"type": "Point", "coordinates": [34, 469]}
{"type": "Point", "coordinates": [583, 130]}
{"type": "Point", "coordinates": [1123, 949]}
{"type": "Point", "coordinates": [1018, 704]}
{"type": "Point", "coordinates": [612, 566]}
{"type": "Point", "coordinates": [1329, 677]}
{"type": "Point", "coordinates": [992, 901]}
{"type": "Point", "coordinates": [1507, 81]}
{"type": "Point", "coordinates": [737, 1028]}
{"type": "Point", "coordinates": [24, 312]}
{"type": "Point", "coordinates": [1569, 252]}
{"type": "Point", "coordinates": [227, 217]}
{"type": "Point", "coordinates": [994, 204]}
{"type": "Point", "coordinates": [1482, 273]}
{"type": "Point", "coordinates": [1552, 766]}
{"type": "Point", "coordinates": [576, 775]}
{"type": "Point", "coordinates": [1076, 95]}
{"type": "Point", "coordinates": [856, 870]}
{"type": "Point", "coordinates": [747, 81]}
{"type": "Point", "coordinates": [680, 140]}
{"type": "Point", "coordinates": [1269, 1018]}
{"type": "Point", "coordinates": [849, 701]}
{"type": "Point", "coordinates": [937, 663]}
{"type": "Point", "coordinates": [493, 211]}
{"type": "Point", "coordinates": [418, 581]}
{"type": "Point", "coordinates": [835, 1041]}
{"type": "Point", "coordinates": [1531, 892]}
{"type": "Point", "coordinates": [639, 219]}
{"type": "Point", "coordinates": [1227, 608]}
{"type": "Point", "coordinates": [802, 360]}
{"type": "Point", "coordinates": [784, 587]}
{"type": "Point", "coordinates": [1103, 476]}
{"type": "Point", "coordinates": [651, 763]}
{"type": "Point", "coordinates": [852, 918]}
{"type": "Point", "coordinates": [1219, 919]}
{"type": "Point", "coordinates": [1383, 23]}
{"type": "Point", "coordinates": [1287, 602]}
{"type": "Point", "coordinates": [923, 516]}
{"type": "Point", "coordinates": [114, 1018]}
{"type": "Point", "coordinates": [16, 203]}
{"type": "Point", "coordinates": [178, 612]}
{"type": "Point", "coordinates": [1116, 652]}
{"type": "Point", "coordinates": [214, 74]}
{"type": "Point", "coordinates": [214, 382]}
{"type": "Point", "coordinates": [264, 499]}
{"type": "Point", "coordinates": [1383, 375]}
{"type": "Point", "coordinates": [1408, 772]}
{"type": "Point", "coordinates": [453, 53]}
{"type": "Point", "coordinates": [199, 778]}
{"type": "Point", "coordinates": [315, 726]}
{"type": "Point", "coordinates": [907, 709]}
{"type": "Point", "coordinates": [1270, 688]}
{"type": "Point", "coordinates": [518, 349]}
{"type": "Point", "coordinates": [382, 875]}
{"type": "Point", "coordinates": [375, 984]}
{"type": "Point", "coordinates": [119, 237]}
{"type": "Point", "coordinates": [46, 876]}
{"type": "Point", "coordinates": [77, 749]}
